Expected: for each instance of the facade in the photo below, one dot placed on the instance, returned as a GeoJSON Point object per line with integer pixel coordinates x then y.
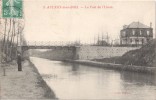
{"type": "Point", "coordinates": [135, 34]}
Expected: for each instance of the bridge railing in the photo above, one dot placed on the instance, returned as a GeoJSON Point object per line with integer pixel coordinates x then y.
{"type": "Point", "coordinates": [48, 43]}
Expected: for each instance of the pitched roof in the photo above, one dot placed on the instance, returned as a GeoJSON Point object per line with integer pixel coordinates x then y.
{"type": "Point", "coordinates": [137, 25]}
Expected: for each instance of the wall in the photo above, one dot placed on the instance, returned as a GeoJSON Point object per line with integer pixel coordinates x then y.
{"type": "Point", "coordinates": [96, 52]}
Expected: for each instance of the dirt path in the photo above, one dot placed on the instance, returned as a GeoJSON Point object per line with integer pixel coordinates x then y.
{"type": "Point", "coordinates": [26, 84]}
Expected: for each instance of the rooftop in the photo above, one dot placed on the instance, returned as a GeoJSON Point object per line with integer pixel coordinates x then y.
{"type": "Point", "coordinates": [136, 25]}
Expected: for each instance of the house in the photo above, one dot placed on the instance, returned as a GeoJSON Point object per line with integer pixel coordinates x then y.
{"type": "Point", "coordinates": [136, 34]}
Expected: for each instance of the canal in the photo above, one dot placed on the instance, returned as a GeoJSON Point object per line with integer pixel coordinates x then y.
{"type": "Point", "coordinates": [74, 81]}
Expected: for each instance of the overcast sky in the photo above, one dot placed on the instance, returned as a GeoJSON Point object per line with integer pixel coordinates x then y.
{"type": "Point", "coordinates": [73, 24]}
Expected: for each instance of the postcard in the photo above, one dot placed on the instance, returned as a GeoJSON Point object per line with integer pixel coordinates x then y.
{"type": "Point", "coordinates": [77, 50]}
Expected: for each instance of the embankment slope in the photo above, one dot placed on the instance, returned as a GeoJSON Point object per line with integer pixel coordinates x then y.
{"type": "Point", "coordinates": [145, 56]}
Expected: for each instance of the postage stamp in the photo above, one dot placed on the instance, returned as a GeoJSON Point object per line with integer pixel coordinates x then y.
{"type": "Point", "coordinates": [12, 8]}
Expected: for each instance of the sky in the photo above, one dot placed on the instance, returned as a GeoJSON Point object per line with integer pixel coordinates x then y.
{"type": "Point", "coordinates": [84, 24]}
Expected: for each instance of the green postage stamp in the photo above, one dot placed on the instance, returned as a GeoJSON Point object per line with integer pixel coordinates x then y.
{"type": "Point", "coordinates": [12, 8]}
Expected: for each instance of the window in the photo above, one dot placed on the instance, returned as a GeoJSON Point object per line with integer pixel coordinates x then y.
{"type": "Point", "coordinates": [136, 40]}
{"type": "Point", "coordinates": [123, 41]}
{"type": "Point", "coordinates": [123, 33]}
{"type": "Point", "coordinates": [148, 33]}
{"type": "Point", "coordinates": [140, 32]}
{"type": "Point", "coordinates": [133, 32]}
{"type": "Point", "coordinates": [133, 40]}
{"type": "Point", "coordinates": [142, 41]}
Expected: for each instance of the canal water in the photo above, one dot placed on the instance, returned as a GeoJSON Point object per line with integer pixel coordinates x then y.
{"type": "Point", "coordinates": [74, 81]}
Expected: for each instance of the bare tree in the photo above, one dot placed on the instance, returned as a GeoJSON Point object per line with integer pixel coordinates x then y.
{"type": "Point", "coordinates": [13, 28]}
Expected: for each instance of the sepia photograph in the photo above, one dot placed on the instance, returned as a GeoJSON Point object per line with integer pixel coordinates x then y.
{"type": "Point", "coordinates": [77, 50]}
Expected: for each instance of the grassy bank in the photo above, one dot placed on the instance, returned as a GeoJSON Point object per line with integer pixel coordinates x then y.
{"type": "Point", "coordinates": [145, 56]}
{"type": "Point", "coordinates": [27, 84]}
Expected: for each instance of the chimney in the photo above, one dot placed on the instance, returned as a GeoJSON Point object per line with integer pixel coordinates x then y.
{"type": "Point", "coordinates": [150, 24]}
{"type": "Point", "coordinates": [125, 26]}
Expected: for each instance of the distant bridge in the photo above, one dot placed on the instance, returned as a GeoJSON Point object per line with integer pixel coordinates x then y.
{"type": "Point", "coordinates": [48, 45]}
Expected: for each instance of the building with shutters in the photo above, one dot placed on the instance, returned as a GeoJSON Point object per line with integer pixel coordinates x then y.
{"type": "Point", "coordinates": [136, 34]}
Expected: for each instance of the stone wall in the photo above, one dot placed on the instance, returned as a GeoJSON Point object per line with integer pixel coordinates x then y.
{"type": "Point", "coordinates": [97, 52]}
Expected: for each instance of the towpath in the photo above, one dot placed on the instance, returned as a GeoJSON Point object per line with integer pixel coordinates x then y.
{"type": "Point", "coordinates": [26, 84]}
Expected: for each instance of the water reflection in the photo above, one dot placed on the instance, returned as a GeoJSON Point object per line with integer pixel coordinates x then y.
{"type": "Point", "coordinates": [75, 67]}
{"type": "Point", "coordinates": [76, 81]}
{"type": "Point", "coordinates": [139, 79]}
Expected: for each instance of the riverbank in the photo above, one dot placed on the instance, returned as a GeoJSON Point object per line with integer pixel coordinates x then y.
{"type": "Point", "coordinates": [139, 69]}
{"type": "Point", "coordinates": [27, 84]}
{"type": "Point", "coordinates": [145, 56]}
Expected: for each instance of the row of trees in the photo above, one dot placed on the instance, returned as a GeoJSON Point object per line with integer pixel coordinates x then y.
{"type": "Point", "coordinates": [11, 37]}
